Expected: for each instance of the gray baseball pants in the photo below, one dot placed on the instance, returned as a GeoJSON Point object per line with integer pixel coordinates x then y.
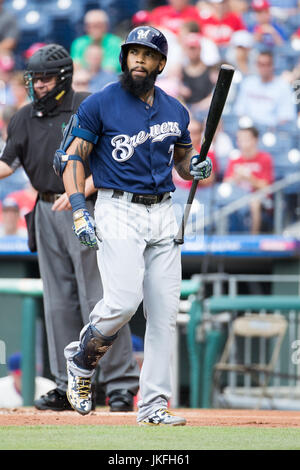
{"type": "Point", "coordinates": [138, 259]}
{"type": "Point", "coordinates": [72, 287]}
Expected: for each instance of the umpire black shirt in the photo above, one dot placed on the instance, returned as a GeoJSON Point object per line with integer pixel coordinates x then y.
{"type": "Point", "coordinates": [32, 142]}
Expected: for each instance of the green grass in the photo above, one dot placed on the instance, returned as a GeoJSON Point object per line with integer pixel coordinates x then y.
{"type": "Point", "coordinates": [141, 438]}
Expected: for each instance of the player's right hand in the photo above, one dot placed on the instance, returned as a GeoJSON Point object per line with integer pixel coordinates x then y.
{"type": "Point", "coordinates": [84, 228]}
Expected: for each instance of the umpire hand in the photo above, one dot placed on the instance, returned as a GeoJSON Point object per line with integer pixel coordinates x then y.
{"type": "Point", "coordinates": [84, 227]}
{"type": "Point", "coordinates": [200, 170]}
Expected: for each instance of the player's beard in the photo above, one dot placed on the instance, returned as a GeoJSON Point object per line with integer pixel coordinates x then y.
{"type": "Point", "coordinates": [138, 86]}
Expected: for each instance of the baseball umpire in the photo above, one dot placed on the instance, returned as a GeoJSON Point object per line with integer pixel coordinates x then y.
{"type": "Point", "coordinates": [70, 275]}
{"type": "Point", "coordinates": [133, 133]}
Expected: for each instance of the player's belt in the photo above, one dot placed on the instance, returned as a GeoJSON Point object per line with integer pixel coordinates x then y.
{"type": "Point", "coordinates": [49, 197]}
{"type": "Point", "coordinates": [146, 199]}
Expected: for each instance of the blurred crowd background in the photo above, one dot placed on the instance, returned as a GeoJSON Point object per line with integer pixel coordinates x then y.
{"type": "Point", "coordinates": [256, 147]}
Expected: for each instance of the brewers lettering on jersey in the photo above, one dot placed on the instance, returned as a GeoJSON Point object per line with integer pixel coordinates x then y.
{"type": "Point", "coordinates": [125, 144]}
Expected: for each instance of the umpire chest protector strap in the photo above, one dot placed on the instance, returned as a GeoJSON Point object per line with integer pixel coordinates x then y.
{"type": "Point", "coordinates": [71, 131]}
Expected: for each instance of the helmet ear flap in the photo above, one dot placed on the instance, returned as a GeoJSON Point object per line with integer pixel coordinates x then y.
{"type": "Point", "coordinates": [122, 60]}
{"type": "Point", "coordinates": [165, 61]}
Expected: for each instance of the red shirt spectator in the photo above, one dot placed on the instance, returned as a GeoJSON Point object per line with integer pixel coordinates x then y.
{"type": "Point", "coordinates": [252, 170]}
{"type": "Point", "coordinates": [219, 23]}
{"type": "Point", "coordinates": [260, 167]}
{"type": "Point", "coordinates": [25, 199]}
{"type": "Point", "coordinates": [172, 16]}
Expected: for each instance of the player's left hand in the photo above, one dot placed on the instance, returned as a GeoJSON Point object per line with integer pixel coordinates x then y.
{"type": "Point", "coordinates": [200, 170]}
{"type": "Point", "coordinates": [84, 228]}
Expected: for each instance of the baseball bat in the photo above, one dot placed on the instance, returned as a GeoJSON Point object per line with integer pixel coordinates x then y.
{"type": "Point", "coordinates": [214, 114]}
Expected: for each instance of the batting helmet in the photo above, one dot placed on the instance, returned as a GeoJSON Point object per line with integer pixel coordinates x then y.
{"type": "Point", "coordinates": [51, 60]}
{"type": "Point", "coordinates": [146, 36]}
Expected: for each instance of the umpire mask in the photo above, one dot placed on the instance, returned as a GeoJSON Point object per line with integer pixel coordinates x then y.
{"type": "Point", "coordinates": [52, 60]}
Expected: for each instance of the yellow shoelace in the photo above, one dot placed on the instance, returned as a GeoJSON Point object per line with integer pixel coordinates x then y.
{"type": "Point", "coordinates": [84, 387]}
{"type": "Point", "coordinates": [166, 411]}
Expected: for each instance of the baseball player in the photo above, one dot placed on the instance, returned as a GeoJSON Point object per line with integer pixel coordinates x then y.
{"type": "Point", "coordinates": [71, 281]}
{"type": "Point", "coordinates": [133, 133]}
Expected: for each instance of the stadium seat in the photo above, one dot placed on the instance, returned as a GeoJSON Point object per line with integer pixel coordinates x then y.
{"type": "Point", "coordinates": [71, 10]}
{"type": "Point", "coordinates": [285, 58]}
{"type": "Point", "coordinates": [227, 193]}
{"type": "Point", "coordinates": [270, 328]}
{"type": "Point", "coordinates": [63, 32]}
{"type": "Point", "coordinates": [276, 142]}
{"type": "Point", "coordinates": [34, 27]}
{"type": "Point", "coordinates": [91, 5]}
{"type": "Point", "coordinates": [230, 125]}
{"type": "Point", "coordinates": [19, 7]}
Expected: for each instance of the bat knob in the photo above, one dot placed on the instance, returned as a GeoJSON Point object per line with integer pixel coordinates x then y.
{"type": "Point", "coordinates": [227, 67]}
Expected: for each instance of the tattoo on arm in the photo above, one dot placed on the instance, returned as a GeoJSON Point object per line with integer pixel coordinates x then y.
{"type": "Point", "coordinates": [83, 149]}
{"type": "Point", "coordinates": [182, 159]}
{"type": "Point", "coordinates": [74, 175]}
{"type": "Point", "coordinates": [184, 170]}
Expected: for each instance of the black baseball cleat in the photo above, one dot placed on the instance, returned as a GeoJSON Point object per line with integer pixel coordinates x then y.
{"type": "Point", "coordinates": [55, 400]}
{"type": "Point", "coordinates": [120, 400]}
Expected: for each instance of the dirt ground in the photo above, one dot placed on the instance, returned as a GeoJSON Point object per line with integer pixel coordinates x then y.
{"type": "Point", "coordinates": [195, 417]}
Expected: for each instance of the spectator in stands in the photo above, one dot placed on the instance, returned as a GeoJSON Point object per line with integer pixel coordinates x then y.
{"type": "Point", "coordinates": [209, 50]}
{"type": "Point", "coordinates": [6, 115]}
{"type": "Point", "coordinates": [9, 31]}
{"type": "Point", "coordinates": [266, 31]}
{"type": "Point", "coordinates": [239, 6]}
{"type": "Point", "coordinates": [32, 49]}
{"type": "Point", "coordinates": [284, 9]}
{"type": "Point", "coordinates": [81, 80]}
{"type": "Point", "coordinates": [18, 179]}
{"type": "Point", "coordinates": [25, 199]}
{"type": "Point", "coordinates": [18, 90]}
{"type": "Point", "coordinates": [7, 65]}
{"type": "Point", "coordinates": [11, 385]}
{"type": "Point", "coordinates": [293, 76]}
{"type": "Point", "coordinates": [10, 219]}
{"type": "Point", "coordinates": [252, 170]}
{"type": "Point", "coordinates": [96, 24]}
{"type": "Point", "coordinates": [240, 52]}
{"type": "Point", "coordinates": [267, 99]}
{"type": "Point", "coordinates": [173, 15]}
{"type": "Point", "coordinates": [99, 77]}
{"type": "Point", "coordinates": [218, 22]}
{"type": "Point", "coordinates": [196, 81]}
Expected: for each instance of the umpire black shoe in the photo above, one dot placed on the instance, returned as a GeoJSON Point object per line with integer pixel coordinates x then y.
{"type": "Point", "coordinates": [56, 400]}
{"type": "Point", "coordinates": [120, 400]}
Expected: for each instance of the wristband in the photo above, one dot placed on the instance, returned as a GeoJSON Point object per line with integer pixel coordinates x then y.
{"type": "Point", "coordinates": [77, 201]}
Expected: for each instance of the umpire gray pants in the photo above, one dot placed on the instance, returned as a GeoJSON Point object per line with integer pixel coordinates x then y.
{"type": "Point", "coordinates": [72, 287]}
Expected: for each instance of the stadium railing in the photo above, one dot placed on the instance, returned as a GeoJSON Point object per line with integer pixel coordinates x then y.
{"type": "Point", "coordinates": [207, 332]}
{"type": "Point", "coordinates": [31, 290]}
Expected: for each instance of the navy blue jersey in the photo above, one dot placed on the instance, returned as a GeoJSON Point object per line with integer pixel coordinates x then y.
{"type": "Point", "coordinates": [135, 149]}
